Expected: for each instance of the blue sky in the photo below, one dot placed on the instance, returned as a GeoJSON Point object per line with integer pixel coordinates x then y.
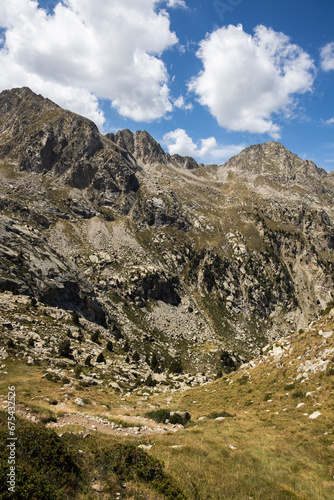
{"type": "Point", "coordinates": [203, 78]}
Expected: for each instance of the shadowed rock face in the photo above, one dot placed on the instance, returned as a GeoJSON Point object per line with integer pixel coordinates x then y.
{"type": "Point", "coordinates": [30, 267]}
{"type": "Point", "coordinates": [144, 148]}
{"type": "Point", "coordinates": [141, 145]}
{"type": "Point", "coordinates": [38, 136]}
{"type": "Point", "coordinates": [190, 255]}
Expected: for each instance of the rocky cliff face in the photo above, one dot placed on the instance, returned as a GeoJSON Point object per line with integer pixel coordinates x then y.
{"type": "Point", "coordinates": [181, 259]}
{"type": "Point", "coordinates": [39, 137]}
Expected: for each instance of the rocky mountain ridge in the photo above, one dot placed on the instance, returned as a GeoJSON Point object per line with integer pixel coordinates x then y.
{"type": "Point", "coordinates": [174, 257]}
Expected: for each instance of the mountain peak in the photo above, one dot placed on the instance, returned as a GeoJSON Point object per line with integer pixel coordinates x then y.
{"type": "Point", "coordinates": [38, 136]}
{"type": "Point", "coordinates": [274, 162]}
{"type": "Point", "coordinates": [141, 145]}
{"type": "Point", "coordinates": [146, 149]}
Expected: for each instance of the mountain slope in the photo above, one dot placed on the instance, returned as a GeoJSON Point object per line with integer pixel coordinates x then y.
{"type": "Point", "coordinates": [184, 260]}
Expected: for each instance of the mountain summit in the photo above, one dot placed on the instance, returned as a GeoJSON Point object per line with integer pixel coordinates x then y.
{"type": "Point", "coordinates": [272, 162]}
{"type": "Point", "coordinates": [178, 259]}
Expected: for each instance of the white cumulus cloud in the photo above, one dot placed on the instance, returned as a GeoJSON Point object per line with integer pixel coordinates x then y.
{"type": "Point", "coordinates": [88, 50]}
{"type": "Point", "coordinates": [247, 79]}
{"type": "Point", "coordinates": [181, 103]}
{"type": "Point", "coordinates": [327, 57]}
{"type": "Point", "coordinates": [207, 150]}
{"type": "Point", "coordinates": [177, 3]}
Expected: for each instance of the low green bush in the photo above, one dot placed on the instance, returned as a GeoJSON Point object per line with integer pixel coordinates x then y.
{"type": "Point", "coordinates": [64, 348]}
{"type": "Point", "coordinates": [243, 380]}
{"type": "Point", "coordinates": [160, 416]}
{"type": "Point", "coordinates": [100, 358]}
{"type": "Point", "coordinates": [298, 394]}
{"type": "Point", "coordinates": [95, 338]}
{"type": "Point", "coordinates": [131, 463]}
{"type": "Point", "coordinates": [330, 371]}
{"type": "Point", "coordinates": [177, 419]}
{"type": "Point", "coordinates": [44, 467]}
{"type": "Point", "coordinates": [150, 382]}
{"type": "Point", "coordinates": [11, 344]}
{"type": "Point", "coordinates": [31, 342]}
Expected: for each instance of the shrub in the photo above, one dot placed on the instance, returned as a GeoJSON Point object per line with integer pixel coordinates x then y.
{"type": "Point", "coordinates": [160, 416]}
{"type": "Point", "coordinates": [176, 418]}
{"type": "Point", "coordinates": [176, 366]}
{"type": "Point", "coordinates": [130, 463]}
{"type": "Point", "coordinates": [64, 348]}
{"type": "Point", "coordinates": [100, 358]}
{"type": "Point", "coordinates": [268, 396]}
{"type": "Point", "coordinates": [95, 337]}
{"type": "Point", "coordinates": [154, 362]}
{"type": "Point", "coordinates": [31, 342]}
{"type": "Point", "coordinates": [88, 361]}
{"type": "Point", "coordinates": [328, 308]}
{"type": "Point", "coordinates": [330, 371]}
{"type": "Point", "coordinates": [77, 371]}
{"type": "Point", "coordinates": [45, 419]}
{"type": "Point", "coordinates": [243, 380]}
{"type": "Point", "coordinates": [126, 347]}
{"type": "Point", "coordinates": [298, 394]}
{"type": "Point", "coordinates": [75, 318]}
{"type": "Point", "coordinates": [150, 382]}
{"type": "Point", "coordinates": [44, 467]}
{"type": "Point", "coordinates": [135, 357]}
{"type": "Point", "coordinates": [228, 362]}
{"type": "Point", "coordinates": [289, 387]}
{"type": "Point", "coordinates": [110, 346]}
{"type": "Point", "coordinates": [10, 344]}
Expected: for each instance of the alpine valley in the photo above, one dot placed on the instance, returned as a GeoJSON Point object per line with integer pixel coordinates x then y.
{"type": "Point", "coordinates": [132, 281]}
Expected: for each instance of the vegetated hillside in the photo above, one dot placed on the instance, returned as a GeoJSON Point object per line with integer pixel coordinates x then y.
{"type": "Point", "coordinates": [264, 431]}
{"type": "Point", "coordinates": [174, 259]}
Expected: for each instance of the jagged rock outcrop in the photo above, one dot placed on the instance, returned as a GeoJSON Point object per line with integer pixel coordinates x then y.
{"type": "Point", "coordinates": [38, 136]}
{"type": "Point", "coordinates": [146, 149]}
{"type": "Point", "coordinates": [141, 145]}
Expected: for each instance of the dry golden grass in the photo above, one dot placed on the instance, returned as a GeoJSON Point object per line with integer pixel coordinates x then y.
{"type": "Point", "coordinates": [268, 448]}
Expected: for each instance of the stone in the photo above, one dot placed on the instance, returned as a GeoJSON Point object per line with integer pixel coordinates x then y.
{"type": "Point", "coordinates": [97, 487]}
{"type": "Point", "coordinates": [315, 415]}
